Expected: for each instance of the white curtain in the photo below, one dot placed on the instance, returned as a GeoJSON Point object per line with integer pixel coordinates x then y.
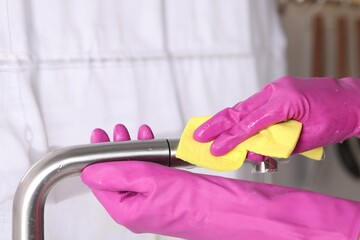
{"type": "Point", "coordinates": [67, 67]}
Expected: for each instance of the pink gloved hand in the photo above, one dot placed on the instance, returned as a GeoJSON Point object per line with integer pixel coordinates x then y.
{"type": "Point", "coordinates": [329, 110]}
{"type": "Point", "coordinates": [150, 198]}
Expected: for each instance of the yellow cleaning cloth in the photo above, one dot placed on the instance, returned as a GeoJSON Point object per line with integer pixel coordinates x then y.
{"type": "Point", "coordinates": [278, 140]}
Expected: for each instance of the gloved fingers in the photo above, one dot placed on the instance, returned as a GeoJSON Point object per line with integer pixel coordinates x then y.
{"type": "Point", "coordinates": [255, 101]}
{"type": "Point", "coordinates": [128, 176]}
{"type": "Point", "coordinates": [145, 133]}
{"type": "Point", "coordinates": [220, 122]}
{"type": "Point", "coordinates": [121, 133]}
{"type": "Point", "coordinates": [98, 135]}
{"type": "Point", "coordinates": [228, 117]}
{"type": "Point", "coordinates": [254, 157]}
{"type": "Point", "coordinates": [258, 120]}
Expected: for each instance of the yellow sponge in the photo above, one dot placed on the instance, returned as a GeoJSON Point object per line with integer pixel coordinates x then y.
{"type": "Point", "coordinates": [278, 140]}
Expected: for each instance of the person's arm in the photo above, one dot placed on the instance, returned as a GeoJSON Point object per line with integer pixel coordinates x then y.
{"type": "Point", "coordinates": [150, 198]}
{"type": "Point", "coordinates": [328, 108]}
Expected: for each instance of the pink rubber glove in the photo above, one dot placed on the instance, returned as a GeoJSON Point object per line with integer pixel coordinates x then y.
{"type": "Point", "coordinates": [150, 198]}
{"type": "Point", "coordinates": [329, 110]}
